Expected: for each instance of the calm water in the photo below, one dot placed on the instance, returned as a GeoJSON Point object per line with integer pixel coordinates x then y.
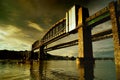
{"type": "Point", "coordinates": [58, 70]}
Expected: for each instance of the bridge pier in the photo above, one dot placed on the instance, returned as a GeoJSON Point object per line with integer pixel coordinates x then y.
{"type": "Point", "coordinates": [116, 35]}
{"type": "Point", "coordinates": [31, 55]}
{"type": "Point", "coordinates": [42, 54]}
{"type": "Point", "coordinates": [86, 70]}
{"type": "Point", "coordinates": [84, 37]}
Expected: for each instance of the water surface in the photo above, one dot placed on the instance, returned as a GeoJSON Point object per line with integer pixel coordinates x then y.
{"type": "Point", "coordinates": [58, 70]}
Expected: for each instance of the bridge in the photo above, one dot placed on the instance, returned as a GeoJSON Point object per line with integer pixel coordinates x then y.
{"type": "Point", "coordinates": [77, 20]}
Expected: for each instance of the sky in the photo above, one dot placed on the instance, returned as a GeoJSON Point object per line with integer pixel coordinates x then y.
{"type": "Point", "coordinates": [22, 22]}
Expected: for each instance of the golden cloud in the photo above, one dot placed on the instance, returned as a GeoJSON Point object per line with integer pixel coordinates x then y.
{"type": "Point", "coordinates": [13, 38]}
{"type": "Point", "coordinates": [35, 26]}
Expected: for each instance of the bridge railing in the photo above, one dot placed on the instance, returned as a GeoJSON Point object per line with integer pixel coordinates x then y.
{"type": "Point", "coordinates": [60, 27]}
{"type": "Point", "coordinates": [56, 30]}
{"type": "Point", "coordinates": [36, 45]}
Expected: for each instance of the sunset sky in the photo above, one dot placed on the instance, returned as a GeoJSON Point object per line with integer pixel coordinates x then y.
{"type": "Point", "coordinates": [24, 21]}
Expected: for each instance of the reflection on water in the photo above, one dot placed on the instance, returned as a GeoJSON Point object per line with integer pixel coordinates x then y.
{"type": "Point", "coordinates": [58, 70]}
{"type": "Point", "coordinates": [86, 70]}
{"type": "Point", "coordinates": [13, 71]}
{"type": "Point", "coordinates": [118, 70]}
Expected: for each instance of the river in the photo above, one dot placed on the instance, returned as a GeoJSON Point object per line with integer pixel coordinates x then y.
{"type": "Point", "coordinates": [57, 70]}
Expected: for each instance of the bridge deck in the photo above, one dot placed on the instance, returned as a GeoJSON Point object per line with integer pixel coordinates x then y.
{"type": "Point", "coordinates": [98, 36]}
{"type": "Point", "coordinates": [98, 18]}
{"type": "Point", "coordinates": [58, 30]}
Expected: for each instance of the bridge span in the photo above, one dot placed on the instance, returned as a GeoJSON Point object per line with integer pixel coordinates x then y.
{"type": "Point", "coordinates": [77, 20]}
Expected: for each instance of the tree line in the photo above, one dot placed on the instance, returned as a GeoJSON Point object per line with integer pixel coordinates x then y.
{"type": "Point", "coordinates": [6, 54]}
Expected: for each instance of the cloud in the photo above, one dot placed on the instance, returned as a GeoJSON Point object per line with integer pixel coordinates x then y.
{"type": "Point", "coordinates": [14, 44]}
{"type": "Point", "coordinates": [9, 30]}
{"type": "Point", "coordinates": [13, 38]}
{"type": "Point", "coordinates": [35, 26]}
{"type": "Point", "coordinates": [15, 33]}
{"type": "Point", "coordinates": [2, 35]}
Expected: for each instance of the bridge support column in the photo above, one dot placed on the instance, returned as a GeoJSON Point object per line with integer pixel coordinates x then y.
{"type": "Point", "coordinates": [86, 70]}
{"type": "Point", "coordinates": [31, 55]}
{"type": "Point", "coordinates": [42, 54]}
{"type": "Point", "coordinates": [116, 35]}
{"type": "Point", "coordinates": [85, 44]}
{"type": "Point", "coordinates": [84, 37]}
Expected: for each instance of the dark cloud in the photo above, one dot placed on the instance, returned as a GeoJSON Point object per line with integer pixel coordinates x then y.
{"type": "Point", "coordinates": [44, 13]}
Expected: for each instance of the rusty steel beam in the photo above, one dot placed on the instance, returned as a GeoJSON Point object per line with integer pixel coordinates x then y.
{"type": "Point", "coordinates": [63, 45]}
{"type": "Point", "coordinates": [93, 20]}
{"type": "Point", "coordinates": [36, 45]}
{"type": "Point", "coordinates": [56, 38]}
{"type": "Point", "coordinates": [102, 37]}
{"type": "Point", "coordinates": [99, 20]}
{"type": "Point", "coordinates": [99, 17]}
{"type": "Point", "coordinates": [53, 26]}
{"type": "Point", "coordinates": [95, 37]}
{"type": "Point", "coordinates": [109, 31]}
{"type": "Point", "coordinates": [97, 14]}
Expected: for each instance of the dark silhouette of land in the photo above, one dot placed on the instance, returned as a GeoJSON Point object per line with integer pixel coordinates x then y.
{"type": "Point", "coordinates": [55, 57]}
{"type": "Point", "coordinates": [14, 55]}
{"type": "Point", "coordinates": [26, 55]}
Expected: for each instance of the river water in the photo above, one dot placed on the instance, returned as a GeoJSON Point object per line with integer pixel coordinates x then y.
{"type": "Point", "coordinates": [58, 70]}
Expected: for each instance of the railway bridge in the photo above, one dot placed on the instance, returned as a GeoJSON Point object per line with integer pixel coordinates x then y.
{"type": "Point", "coordinates": [79, 21]}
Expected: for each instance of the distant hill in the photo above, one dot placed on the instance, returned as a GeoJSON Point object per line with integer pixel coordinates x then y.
{"type": "Point", "coordinates": [54, 57]}
{"type": "Point", "coordinates": [6, 54]}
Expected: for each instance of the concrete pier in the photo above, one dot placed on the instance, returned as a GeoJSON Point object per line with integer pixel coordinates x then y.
{"type": "Point", "coordinates": [84, 37]}
{"type": "Point", "coordinates": [42, 54]}
{"type": "Point", "coordinates": [86, 70]}
{"type": "Point", "coordinates": [116, 35]}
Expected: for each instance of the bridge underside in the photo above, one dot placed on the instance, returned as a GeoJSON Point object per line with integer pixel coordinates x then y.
{"type": "Point", "coordinates": [96, 37]}
{"type": "Point", "coordinates": [84, 26]}
{"type": "Point", "coordinates": [58, 30]}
